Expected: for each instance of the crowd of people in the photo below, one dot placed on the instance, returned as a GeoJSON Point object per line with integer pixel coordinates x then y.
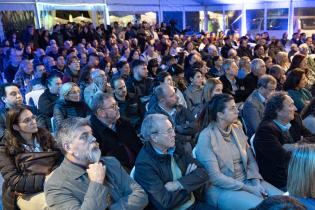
{"type": "Point", "coordinates": [144, 116]}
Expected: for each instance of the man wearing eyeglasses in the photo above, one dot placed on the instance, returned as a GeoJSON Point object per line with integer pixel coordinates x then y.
{"type": "Point", "coordinates": [172, 179]}
{"type": "Point", "coordinates": [86, 182]}
{"type": "Point", "coordinates": [115, 135]}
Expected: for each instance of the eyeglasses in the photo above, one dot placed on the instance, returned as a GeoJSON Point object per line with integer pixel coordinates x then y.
{"type": "Point", "coordinates": [113, 106]}
{"type": "Point", "coordinates": [28, 120]}
{"type": "Point", "coordinates": [87, 137]}
{"type": "Point", "coordinates": [168, 131]}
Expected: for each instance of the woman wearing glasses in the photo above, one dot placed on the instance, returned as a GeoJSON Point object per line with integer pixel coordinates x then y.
{"type": "Point", "coordinates": [27, 157]}
{"type": "Point", "coordinates": [223, 150]}
{"type": "Point", "coordinates": [69, 104]}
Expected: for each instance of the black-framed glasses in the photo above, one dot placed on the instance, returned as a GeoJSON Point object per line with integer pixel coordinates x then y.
{"type": "Point", "coordinates": [113, 106]}
{"type": "Point", "coordinates": [28, 120]}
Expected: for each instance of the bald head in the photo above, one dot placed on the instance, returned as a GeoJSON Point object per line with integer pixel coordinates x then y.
{"type": "Point", "coordinates": [166, 95]}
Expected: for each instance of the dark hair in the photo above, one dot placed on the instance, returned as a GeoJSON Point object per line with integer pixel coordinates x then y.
{"type": "Point", "coordinates": [175, 69]}
{"type": "Point", "coordinates": [120, 64]}
{"type": "Point", "coordinates": [198, 65]}
{"type": "Point", "coordinates": [137, 63]}
{"type": "Point", "coordinates": [293, 79]}
{"type": "Point", "coordinates": [279, 202]}
{"type": "Point", "coordinates": [12, 138]}
{"type": "Point", "coordinates": [215, 105]}
{"type": "Point", "coordinates": [191, 73]}
{"type": "Point", "coordinates": [47, 79]}
{"type": "Point", "coordinates": [131, 54]}
{"type": "Point", "coordinates": [273, 105]}
{"type": "Point", "coordinates": [296, 61]}
{"type": "Point", "coordinates": [3, 86]}
{"type": "Point", "coordinates": [161, 76]}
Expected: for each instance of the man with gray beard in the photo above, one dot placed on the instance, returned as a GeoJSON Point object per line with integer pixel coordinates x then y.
{"type": "Point", "coordinates": [84, 180]}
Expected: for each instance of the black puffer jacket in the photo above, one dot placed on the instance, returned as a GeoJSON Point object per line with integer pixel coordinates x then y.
{"type": "Point", "coordinates": [46, 105]}
{"type": "Point", "coordinates": [66, 109]}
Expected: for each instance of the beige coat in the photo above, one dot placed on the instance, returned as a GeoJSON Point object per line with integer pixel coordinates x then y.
{"type": "Point", "coordinates": [212, 151]}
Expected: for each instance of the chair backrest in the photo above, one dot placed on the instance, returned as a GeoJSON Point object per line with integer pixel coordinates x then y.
{"type": "Point", "coordinates": [53, 125]}
{"type": "Point", "coordinates": [251, 141]}
{"type": "Point", "coordinates": [193, 153]}
{"type": "Point", "coordinates": [132, 173]}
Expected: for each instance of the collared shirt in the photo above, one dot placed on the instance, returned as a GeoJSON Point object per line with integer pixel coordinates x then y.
{"type": "Point", "coordinates": [170, 151]}
{"type": "Point", "coordinates": [283, 128]}
{"type": "Point", "coordinates": [262, 98]}
{"type": "Point", "coordinates": [172, 113]}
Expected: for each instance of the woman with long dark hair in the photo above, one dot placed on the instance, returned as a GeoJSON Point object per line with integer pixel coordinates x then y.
{"type": "Point", "coordinates": [28, 155]}
{"type": "Point", "coordinates": [223, 150]}
{"type": "Point", "coordinates": [295, 86]}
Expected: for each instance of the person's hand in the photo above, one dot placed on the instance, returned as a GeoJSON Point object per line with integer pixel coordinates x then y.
{"type": "Point", "coordinates": [173, 186]}
{"type": "Point", "coordinates": [253, 190]}
{"type": "Point", "coordinates": [191, 167]}
{"type": "Point", "coordinates": [96, 172]}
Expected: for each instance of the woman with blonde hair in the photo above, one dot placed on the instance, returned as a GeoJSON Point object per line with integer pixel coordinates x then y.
{"type": "Point", "coordinates": [212, 87]}
{"type": "Point", "coordinates": [301, 175]}
{"type": "Point", "coordinates": [282, 59]}
{"type": "Point", "coordinates": [69, 104]}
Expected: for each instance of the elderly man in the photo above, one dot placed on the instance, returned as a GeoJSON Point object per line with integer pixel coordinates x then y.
{"type": "Point", "coordinates": [303, 48]}
{"type": "Point", "coordinates": [182, 119]}
{"type": "Point", "coordinates": [99, 83]}
{"type": "Point", "coordinates": [258, 69]}
{"type": "Point", "coordinates": [115, 135]}
{"type": "Point", "coordinates": [173, 180]}
{"type": "Point", "coordinates": [275, 138]}
{"type": "Point", "coordinates": [82, 182]}
{"type": "Point", "coordinates": [254, 106]}
{"type": "Point", "coordinates": [231, 84]}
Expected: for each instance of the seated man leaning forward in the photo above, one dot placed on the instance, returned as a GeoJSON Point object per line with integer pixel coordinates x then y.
{"type": "Point", "coordinates": [172, 179]}
{"type": "Point", "coordinates": [82, 182]}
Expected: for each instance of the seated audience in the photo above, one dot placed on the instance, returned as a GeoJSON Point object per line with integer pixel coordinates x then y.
{"type": "Point", "coordinates": [128, 103]}
{"type": "Point", "coordinates": [223, 150]}
{"type": "Point", "coordinates": [83, 180]}
{"type": "Point", "coordinates": [180, 117]}
{"type": "Point", "coordinates": [301, 175]}
{"type": "Point", "coordinates": [99, 84]}
{"type": "Point", "coordinates": [231, 84]}
{"type": "Point", "coordinates": [279, 74]}
{"type": "Point", "coordinates": [172, 179]}
{"type": "Point", "coordinates": [48, 100]}
{"type": "Point", "coordinates": [28, 155]}
{"type": "Point", "coordinates": [139, 84]}
{"type": "Point", "coordinates": [275, 138]}
{"type": "Point", "coordinates": [193, 93]}
{"type": "Point", "coordinates": [295, 86]}
{"type": "Point", "coordinates": [72, 71]}
{"type": "Point", "coordinates": [254, 106]}
{"type": "Point", "coordinates": [258, 69]}
{"type": "Point", "coordinates": [69, 104]}
{"type": "Point", "coordinates": [12, 98]}
{"type": "Point", "coordinates": [212, 87]}
{"type": "Point", "coordinates": [115, 135]}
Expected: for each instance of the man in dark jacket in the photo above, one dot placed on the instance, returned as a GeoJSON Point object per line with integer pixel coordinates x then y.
{"type": "Point", "coordinates": [258, 69]}
{"type": "Point", "coordinates": [115, 135]}
{"type": "Point", "coordinates": [138, 83]}
{"type": "Point", "coordinates": [244, 49]}
{"type": "Point", "coordinates": [182, 119]}
{"type": "Point", "coordinates": [274, 141]}
{"type": "Point", "coordinates": [11, 97]}
{"type": "Point", "coordinates": [171, 178]}
{"type": "Point", "coordinates": [231, 84]}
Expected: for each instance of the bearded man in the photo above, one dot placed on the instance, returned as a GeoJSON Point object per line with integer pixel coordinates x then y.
{"type": "Point", "coordinates": [84, 180]}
